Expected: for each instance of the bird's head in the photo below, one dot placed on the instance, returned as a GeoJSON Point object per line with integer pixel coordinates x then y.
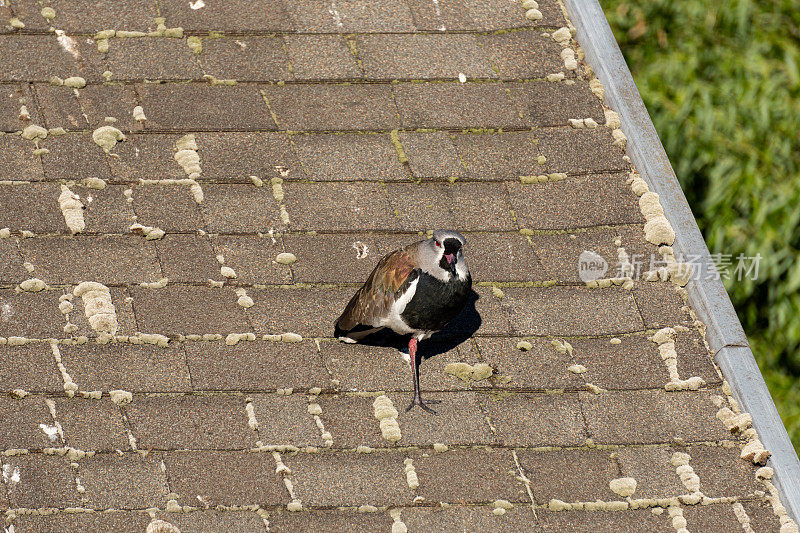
{"type": "Point", "coordinates": [444, 249]}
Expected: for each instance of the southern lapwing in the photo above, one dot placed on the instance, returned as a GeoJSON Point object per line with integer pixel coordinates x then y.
{"type": "Point", "coordinates": [414, 291]}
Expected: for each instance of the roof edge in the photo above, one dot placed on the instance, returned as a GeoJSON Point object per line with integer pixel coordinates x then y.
{"type": "Point", "coordinates": [708, 297]}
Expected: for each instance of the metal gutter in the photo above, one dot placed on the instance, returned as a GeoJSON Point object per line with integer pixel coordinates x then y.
{"type": "Point", "coordinates": [707, 296]}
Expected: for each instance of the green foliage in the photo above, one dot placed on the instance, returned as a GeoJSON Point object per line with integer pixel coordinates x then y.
{"type": "Point", "coordinates": [721, 82]}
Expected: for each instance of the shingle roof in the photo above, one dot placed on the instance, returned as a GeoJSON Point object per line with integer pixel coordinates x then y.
{"type": "Point", "coordinates": [139, 386]}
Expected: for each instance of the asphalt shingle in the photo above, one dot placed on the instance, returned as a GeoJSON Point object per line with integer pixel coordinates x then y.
{"type": "Point", "coordinates": [245, 59]}
{"type": "Point", "coordinates": [83, 16]}
{"type": "Point", "coordinates": [136, 368]}
{"type": "Point", "coordinates": [19, 163]}
{"type": "Point", "coordinates": [331, 107]}
{"type": "Point", "coordinates": [455, 105]}
{"type": "Point", "coordinates": [412, 56]}
{"type": "Point", "coordinates": [238, 16]}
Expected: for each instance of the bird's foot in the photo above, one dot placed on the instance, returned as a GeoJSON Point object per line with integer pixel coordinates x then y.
{"type": "Point", "coordinates": [424, 405]}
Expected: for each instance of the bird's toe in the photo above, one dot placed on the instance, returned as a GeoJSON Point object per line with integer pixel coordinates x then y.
{"type": "Point", "coordinates": [424, 405]}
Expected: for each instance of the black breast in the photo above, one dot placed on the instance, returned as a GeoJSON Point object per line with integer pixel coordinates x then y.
{"type": "Point", "coordinates": [435, 302]}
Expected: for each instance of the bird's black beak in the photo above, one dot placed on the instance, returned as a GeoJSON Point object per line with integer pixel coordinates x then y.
{"type": "Point", "coordinates": [450, 256]}
{"type": "Point", "coordinates": [448, 262]}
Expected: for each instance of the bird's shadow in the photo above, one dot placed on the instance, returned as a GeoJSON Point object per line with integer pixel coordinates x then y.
{"type": "Point", "coordinates": [457, 331]}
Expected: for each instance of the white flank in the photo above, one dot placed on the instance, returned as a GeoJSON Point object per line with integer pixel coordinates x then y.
{"type": "Point", "coordinates": [394, 321]}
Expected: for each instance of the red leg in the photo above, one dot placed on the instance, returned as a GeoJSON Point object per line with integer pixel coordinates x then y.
{"type": "Point", "coordinates": [414, 362]}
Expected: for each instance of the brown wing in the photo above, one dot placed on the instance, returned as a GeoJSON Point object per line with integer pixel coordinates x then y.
{"type": "Point", "coordinates": [387, 282]}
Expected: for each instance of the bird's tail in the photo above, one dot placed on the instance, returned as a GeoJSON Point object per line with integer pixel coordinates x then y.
{"type": "Point", "coordinates": [354, 334]}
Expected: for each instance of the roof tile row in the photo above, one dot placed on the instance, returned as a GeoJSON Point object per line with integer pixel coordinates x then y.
{"type": "Point", "coordinates": [235, 156]}
{"type": "Point", "coordinates": [465, 476]}
{"type": "Point", "coordinates": [326, 258]}
{"type": "Point", "coordinates": [515, 55]}
{"type": "Point", "coordinates": [192, 309]}
{"type": "Point", "coordinates": [570, 204]}
{"type": "Point", "coordinates": [260, 366]}
{"type": "Point", "coordinates": [288, 15]}
{"type": "Point", "coordinates": [321, 107]}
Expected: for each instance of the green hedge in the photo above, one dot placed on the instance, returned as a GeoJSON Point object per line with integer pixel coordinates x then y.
{"type": "Point", "coordinates": [721, 82]}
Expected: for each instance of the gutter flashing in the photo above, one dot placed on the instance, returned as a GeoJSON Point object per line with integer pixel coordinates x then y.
{"type": "Point", "coordinates": [706, 295]}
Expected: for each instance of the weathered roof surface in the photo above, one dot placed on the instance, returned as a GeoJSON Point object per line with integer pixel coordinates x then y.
{"type": "Point", "coordinates": [351, 128]}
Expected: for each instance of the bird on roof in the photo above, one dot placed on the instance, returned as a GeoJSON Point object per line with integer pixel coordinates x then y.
{"type": "Point", "coordinates": [414, 291]}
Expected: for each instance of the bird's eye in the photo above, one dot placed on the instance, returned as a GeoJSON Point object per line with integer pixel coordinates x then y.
{"type": "Point", "coordinates": [438, 243]}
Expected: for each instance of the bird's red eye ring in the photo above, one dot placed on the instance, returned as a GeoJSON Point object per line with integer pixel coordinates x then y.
{"type": "Point", "coordinates": [438, 244]}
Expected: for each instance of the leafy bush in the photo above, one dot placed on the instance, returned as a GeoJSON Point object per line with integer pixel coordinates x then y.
{"type": "Point", "coordinates": [721, 82]}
